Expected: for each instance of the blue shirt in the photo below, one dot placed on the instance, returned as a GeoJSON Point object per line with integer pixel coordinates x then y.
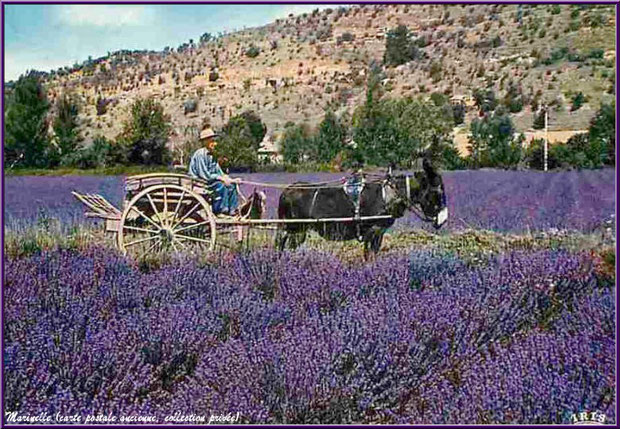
{"type": "Point", "coordinates": [203, 166]}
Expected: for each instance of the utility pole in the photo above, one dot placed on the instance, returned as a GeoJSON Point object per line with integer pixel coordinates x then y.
{"type": "Point", "coordinates": [546, 136]}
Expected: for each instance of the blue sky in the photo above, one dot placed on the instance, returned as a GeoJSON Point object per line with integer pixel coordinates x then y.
{"type": "Point", "coordinates": [45, 37]}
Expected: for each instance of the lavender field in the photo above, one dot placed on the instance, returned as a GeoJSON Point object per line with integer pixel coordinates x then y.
{"type": "Point", "coordinates": [463, 333]}
{"type": "Point", "coordinates": [302, 338]}
{"type": "Point", "coordinates": [507, 201]}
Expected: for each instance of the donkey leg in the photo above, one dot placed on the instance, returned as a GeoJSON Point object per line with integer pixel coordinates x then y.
{"type": "Point", "coordinates": [372, 243]}
{"type": "Point", "coordinates": [281, 239]}
{"type": "Point", "coordinates": [377, 239]}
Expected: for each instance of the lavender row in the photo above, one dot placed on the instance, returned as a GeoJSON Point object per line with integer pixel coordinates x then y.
{"type": "Point", "coordinates": [302, 338]}
{"type": "Point", "coordinates": [496, 200]}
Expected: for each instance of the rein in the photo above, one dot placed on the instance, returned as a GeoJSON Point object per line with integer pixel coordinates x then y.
{"type": "Point", "coordinates": [411, 205]}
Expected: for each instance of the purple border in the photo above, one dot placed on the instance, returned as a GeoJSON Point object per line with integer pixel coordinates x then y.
{"type": "Point", "coordinates": [602, 2]}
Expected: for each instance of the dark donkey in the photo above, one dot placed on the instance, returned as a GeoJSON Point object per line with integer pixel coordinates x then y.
{"type": "Point", "coordinates": [423, 193]}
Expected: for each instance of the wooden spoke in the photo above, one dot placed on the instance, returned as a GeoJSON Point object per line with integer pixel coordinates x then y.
{"type": "Point", "coordinates": [146, 217]}
{"type": "Point", "coordinates": [185, 228]}
{"type": "Point", "coordinates": [179, 243]}
{"type": "Point", "coordinates": [186, 215]}
{"type": "Point", "coordinates": [176, 210]}
{"type": "Point", "coordinates": [187, 237]}
{"type": "Point", "coordinates": [152, 246]}
{"type": "Point", "coordinates": [135, 228]}
{"type": "Point", "coordinates": [166, 205]}
{"type": "Point", "coordinates": [131, 243]}
{"type": "Point", "coordinates": [155, 211]}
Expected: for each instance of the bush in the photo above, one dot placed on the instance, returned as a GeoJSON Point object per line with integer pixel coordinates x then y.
{"type": "Point", "coordinates": [213, 76]}
{"type": "Point", "coordinates": [101, 105]}
{"type": "Point", "coordinates": [539, 120]}
{"type": "Point", "coordinates": [190, 106]}
{"type": "Point", "coordinates": [347, 37]}
{"type": "Point", "coordinates": [101, 153]}
{"type": "Point", "coordinates": [451, 158]}
{"type": "Point", "coordinates": [577, 101]}
{"type": "Point", "coordinates": [458, 112]}
{"type": "Point", "coordinates": [252, 51]}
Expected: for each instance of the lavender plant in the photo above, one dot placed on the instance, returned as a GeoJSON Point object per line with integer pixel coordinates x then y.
{"type": "Point", "coordinates": [303, 338]}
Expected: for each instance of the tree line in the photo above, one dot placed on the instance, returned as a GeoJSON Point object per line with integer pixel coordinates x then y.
{"type": "Point", "coordinates": [382, 131]}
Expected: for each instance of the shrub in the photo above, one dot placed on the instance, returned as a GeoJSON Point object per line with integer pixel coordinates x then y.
{"type": "Point", "coordinates": [577, 101]}
{"type": "Point", "coordinates": [347, 37]}
{"type": "Point", "coordinates": [190, 106]}
{"type": "Point", "coordinates": [101, 106]}
{"type": "Point", "coordinates": [458, 113]}
{"type": "Point", "coordinates": [539, 120]}
{"type": "Point", "coordinates": [213, 76]}
{"type": "Point", "coordinates": [252, 51]}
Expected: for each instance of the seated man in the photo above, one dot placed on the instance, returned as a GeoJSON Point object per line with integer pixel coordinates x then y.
{"type": "Point", "coordinates": [204, 166]}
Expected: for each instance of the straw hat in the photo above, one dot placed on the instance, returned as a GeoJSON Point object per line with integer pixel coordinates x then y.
{"type": "Point", "coordinates": [207, 133]}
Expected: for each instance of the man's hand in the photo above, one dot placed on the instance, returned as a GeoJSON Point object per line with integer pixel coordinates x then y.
{"type": "Point", "coordinates": [227, 180]}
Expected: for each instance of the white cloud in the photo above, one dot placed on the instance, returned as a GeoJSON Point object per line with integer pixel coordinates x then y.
{"type": "Point", "coordinates": [104, 15]}
{"type": "Point", "coordinates": [16, 66]}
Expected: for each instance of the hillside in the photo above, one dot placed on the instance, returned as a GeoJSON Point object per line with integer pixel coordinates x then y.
{"type": "Point", "coordinates": [308, 61]}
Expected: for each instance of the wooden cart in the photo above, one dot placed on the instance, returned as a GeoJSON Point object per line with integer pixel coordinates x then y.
{"type": "Point", "coordinates": [160, 211]}
{"type": "Point", "coordinates": [166, 211]}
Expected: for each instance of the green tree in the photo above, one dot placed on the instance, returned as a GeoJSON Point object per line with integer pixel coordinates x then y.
{"type": "Point", "coordinates": [26, 141]}
{"type": "Point", "coordinates": [397, 131]}
{"type": "Point", "coordinates": [206, 37]}
{"type": "Point", "coordinates": [241, 138]}
{"type": "Point", "coordinates": [485, 100]}
{"type": "Point", "coordinates": [492, 142]}
{"type": "Point", "coordinates": [331, 137]}
{"type": "Point", "coordinates": [252, 51]}
{"type": "Point", "coordinates": [65, 125]}
{"type": "Point", "coordinates": [603, 129]}
{"type": "Point", "coordinates": [146, 132]}
{"type": "Point", "coordinates": [539, 120]}
{"type": "Point", "coordinates": [400, 47]}
{"type": "Point", "coordinates": [577, 101]}
{"type": "Point", "coordinates": [513, 99]}
{"type": "Point", "coordinates": [100, 154]}
{"type": "Point", "coordinates": [296, 143]}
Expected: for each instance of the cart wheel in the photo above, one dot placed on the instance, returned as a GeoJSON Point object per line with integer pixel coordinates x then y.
{"type": "Point", "coordinates": [166, 218]}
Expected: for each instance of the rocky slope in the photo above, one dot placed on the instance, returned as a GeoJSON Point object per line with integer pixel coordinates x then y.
{"type": "Point", "coordinates": [308, 61]}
